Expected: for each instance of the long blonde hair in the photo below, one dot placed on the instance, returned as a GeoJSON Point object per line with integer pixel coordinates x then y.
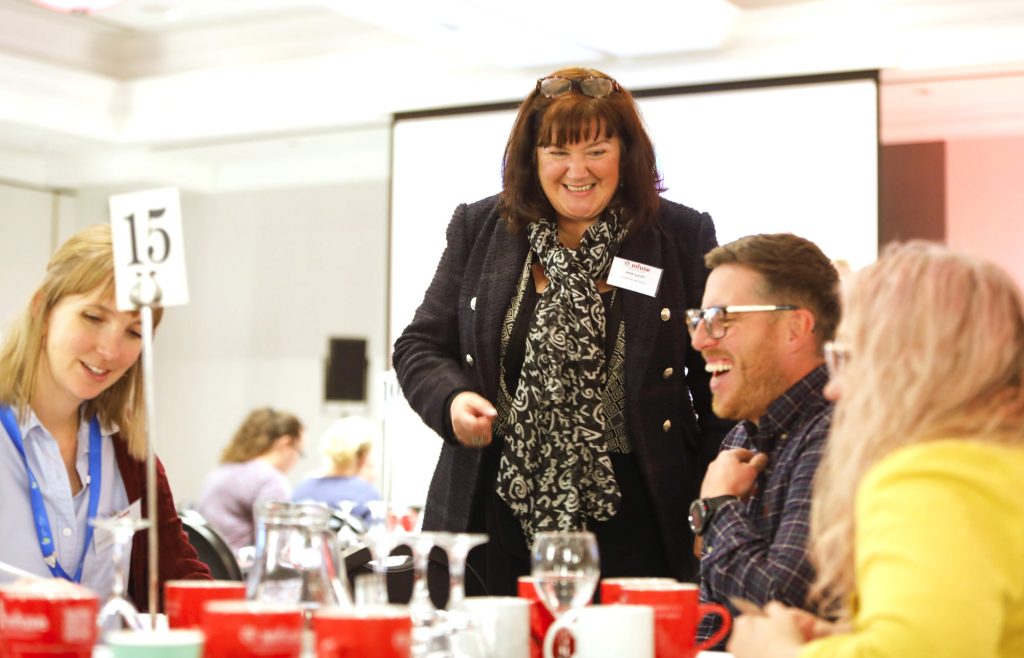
{"type": "Point", "coordinates": [84, 263]}
{"type": "Point", "coordinates": [937, 351]}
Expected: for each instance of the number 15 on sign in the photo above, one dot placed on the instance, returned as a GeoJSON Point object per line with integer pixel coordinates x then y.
{"type": "Point", "coordinates": [148, 247]}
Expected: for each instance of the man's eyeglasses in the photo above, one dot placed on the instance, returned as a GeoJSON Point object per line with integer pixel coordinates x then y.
{"type": "Point", "coordinates": [553, 87]}
{"type": "Point", "coordinates": [837, 356]}
{"type": "Point", "coordinates": [716, 318]}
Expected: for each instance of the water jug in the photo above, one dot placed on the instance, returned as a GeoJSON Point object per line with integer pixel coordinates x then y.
{"type": "Point", "coordinates": [296, 557]}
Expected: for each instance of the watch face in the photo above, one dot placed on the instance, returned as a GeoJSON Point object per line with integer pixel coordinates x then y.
{"type": "Point", "coordinates": [697, 515]}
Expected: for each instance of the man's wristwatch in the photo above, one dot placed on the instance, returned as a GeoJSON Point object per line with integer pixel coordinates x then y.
{"type": "Point", "coordinates": [702, 509]}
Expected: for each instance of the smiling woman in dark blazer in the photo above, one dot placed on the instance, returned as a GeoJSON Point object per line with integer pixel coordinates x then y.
{"type": "Point", "coordinates": [568, 397]}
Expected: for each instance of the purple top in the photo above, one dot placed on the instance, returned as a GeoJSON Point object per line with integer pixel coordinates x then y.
{"type": "Point", "coordinates": [230, 496]}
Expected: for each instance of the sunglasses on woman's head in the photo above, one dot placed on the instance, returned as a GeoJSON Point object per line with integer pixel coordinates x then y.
{"type": "Point", "coordinates": [553, 86]}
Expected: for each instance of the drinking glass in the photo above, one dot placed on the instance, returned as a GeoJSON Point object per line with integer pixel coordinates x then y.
{"type": "Point", "coordinates": [456, 630]}
{"type": "Point", "coordinates": [566, 569]}
{"type": "Point", "coordinates": [381, 537]}
{"type": "Point", "coordinates": [427, 636]}
{"type": "Point", "coordinates": [118, 613]}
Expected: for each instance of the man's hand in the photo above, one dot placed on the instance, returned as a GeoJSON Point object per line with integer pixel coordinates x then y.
{"type": "Point", "coordinates": [733, 473]}
{"type": "Point", "coordinates": [472, 416]}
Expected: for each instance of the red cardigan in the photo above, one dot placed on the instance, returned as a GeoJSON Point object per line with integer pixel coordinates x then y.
{"type": "Point", "coordinates": [178, 560]}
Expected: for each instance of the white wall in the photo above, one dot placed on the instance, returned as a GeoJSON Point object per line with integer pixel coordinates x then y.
{"type": "Point", "coordinates": [25, 230]}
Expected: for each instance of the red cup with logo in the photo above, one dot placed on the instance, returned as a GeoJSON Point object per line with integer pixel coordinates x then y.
{"type": "Point", "coordinates": [611, 588]}
{"type": "Point", "coordinates": [381, 631]}
{"type": "Point", "coordinates": [540, 617]}
{"type": "Point", "coordinates": [47, 618]}
{"type": "Point", "coordinates": [184, 599]}
{"type": "Point", "coordinates": [251, 629]}
{"type": "Point", "coordinates": [677, 613]}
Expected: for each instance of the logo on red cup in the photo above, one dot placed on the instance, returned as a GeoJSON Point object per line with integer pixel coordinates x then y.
{"type": "Point", "coordinates": [50, 617]}
{"type": "Point", "coordinates": [242, 629]}
{"type": "Point", "coordinates": [611, 588]}
{"type": "Point", "coordinates": [184, 599]}
{"type": "Point", "coordinates": [381, 631]}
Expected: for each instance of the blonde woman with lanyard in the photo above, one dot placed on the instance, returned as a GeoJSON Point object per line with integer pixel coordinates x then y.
{"type": "Point", "coordinates": [72, 411]}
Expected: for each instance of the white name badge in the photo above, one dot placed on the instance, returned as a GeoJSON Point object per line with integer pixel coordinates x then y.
{"type": "Point", "coordinates": [102, 537]}
{"type": "Point", "coordinates": [149, 254]}
{"type": "Point", "coordinates": [635, 276]}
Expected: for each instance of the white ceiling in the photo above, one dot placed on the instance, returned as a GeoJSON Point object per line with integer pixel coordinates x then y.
{"type": "Point", "coordinates": [156, 84]}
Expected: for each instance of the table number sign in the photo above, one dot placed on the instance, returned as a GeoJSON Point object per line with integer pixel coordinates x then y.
{"type": "Point", "coordinates": [149, 254]}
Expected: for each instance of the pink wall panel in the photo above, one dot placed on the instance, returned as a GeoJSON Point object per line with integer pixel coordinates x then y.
{"type": "Point", "coordinates": [985, 200]}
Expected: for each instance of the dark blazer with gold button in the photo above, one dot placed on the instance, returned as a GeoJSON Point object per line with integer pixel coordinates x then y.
{"type": "Point", "coordinates": [452, 344]}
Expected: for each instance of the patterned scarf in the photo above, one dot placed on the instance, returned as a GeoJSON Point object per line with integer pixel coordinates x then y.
{"type": "Point", "coordinates": [554, 470]}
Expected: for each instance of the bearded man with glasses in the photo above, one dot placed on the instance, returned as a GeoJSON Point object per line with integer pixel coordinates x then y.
{"type": "Point", "coordinates": [770, 305]}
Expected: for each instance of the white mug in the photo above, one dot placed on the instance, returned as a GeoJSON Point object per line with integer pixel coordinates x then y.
{"type": "Point", "coordinates": [505, 623]}
{"type": "Point", "coordinates": [606, 631]}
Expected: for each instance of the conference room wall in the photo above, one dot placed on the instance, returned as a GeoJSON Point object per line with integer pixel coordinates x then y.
{"type": "Point", "coordinates": [985, 199]}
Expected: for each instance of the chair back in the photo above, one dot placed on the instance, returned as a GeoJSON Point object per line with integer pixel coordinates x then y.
{"type": "Point", "coordinates": [212, 549]}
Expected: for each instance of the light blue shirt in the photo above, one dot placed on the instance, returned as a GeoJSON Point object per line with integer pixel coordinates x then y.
{"type": "Point", "coordinates": [19, 544]}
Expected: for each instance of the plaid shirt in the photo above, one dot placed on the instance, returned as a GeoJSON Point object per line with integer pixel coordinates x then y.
{"type": "Point", "coordinates": [757, 549]}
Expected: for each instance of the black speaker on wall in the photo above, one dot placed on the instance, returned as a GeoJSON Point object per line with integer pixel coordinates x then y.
{"type": "Point", "coordinates": [346, 370]}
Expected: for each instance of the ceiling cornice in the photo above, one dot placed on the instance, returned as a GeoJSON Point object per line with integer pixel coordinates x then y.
{"type": "Point", "coordinates": [94, 90]}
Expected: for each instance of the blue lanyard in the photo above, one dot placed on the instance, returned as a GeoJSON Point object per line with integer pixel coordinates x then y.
{"type": "Point", "coordinates": [42, 521]}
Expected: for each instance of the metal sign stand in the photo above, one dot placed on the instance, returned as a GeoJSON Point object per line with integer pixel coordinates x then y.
{"type": "Point", "coordinates": [144, 295]}
{"type": "Point", "coordinates": [147, 240]}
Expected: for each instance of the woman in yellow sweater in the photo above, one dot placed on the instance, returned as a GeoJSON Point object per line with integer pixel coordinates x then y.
{"type": "Point", "coordinates": [918, 520]}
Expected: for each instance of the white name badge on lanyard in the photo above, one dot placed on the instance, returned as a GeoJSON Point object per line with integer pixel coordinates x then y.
{"type": "Point", "coordinates": [635, 276]}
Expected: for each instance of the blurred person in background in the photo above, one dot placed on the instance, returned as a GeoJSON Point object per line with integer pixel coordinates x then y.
{"type": "Point", "coordinates": [74, 444]}
{"type": "Point", "coordinates": [346, 447]}
{"type": "Point", "coordinates": [567, 398]}
{"type": "Point", "coordinates": [918, 521]}
{"type": "Point", "coordinates": [264, 448]}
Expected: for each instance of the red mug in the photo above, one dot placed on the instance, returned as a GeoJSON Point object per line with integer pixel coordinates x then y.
{"type": "Point", "coordinates": [47, 618]}
{"type": "Point", "coordinates": [677, 613]}
{"type": "Point", "coordinates": [540, 617]}
{"type": "Point", "coordinates": [381, 631]}
{"type": "Point", "coordinates": [184, 599]}
{"type": "Point", "coordinates": [251, 629]}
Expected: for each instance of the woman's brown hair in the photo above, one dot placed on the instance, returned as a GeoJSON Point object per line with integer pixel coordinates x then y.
{"type": "Point", "coordinates": [258, 432]}
{"type": "Point", "coordinates": [570, 118]}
